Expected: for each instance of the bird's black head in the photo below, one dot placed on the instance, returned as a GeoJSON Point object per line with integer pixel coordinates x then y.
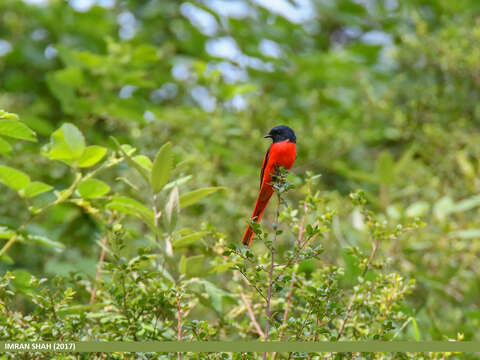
{"type": "Point", "coordinates": [281, 133]}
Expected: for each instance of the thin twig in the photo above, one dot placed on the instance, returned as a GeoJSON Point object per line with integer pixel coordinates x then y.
{"type": "Point", "coordinates": [294, 259]}
{"type": "Point", "coordinates": [99, 269]}
{"type": "Point", "coordinates": [254, 286]}
{"type": "Point", "coordinates": [252, 315]}
{"type": "Point", "coordinates": [350, 305]}
{"type": "Point", "coordinates": [100, 262]}
{"type": "Point", "coordinates": [315, 339]}
{"type": "Point", "coordinates": [301, 231]}
{"type": "Point", "coordinates": [179, 323]}
{"type": "Point", "coordinates": [272, 266]}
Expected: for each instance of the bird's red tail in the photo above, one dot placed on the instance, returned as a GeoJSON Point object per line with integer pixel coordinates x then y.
{"type": "Point", "coordinates": [262, 201]}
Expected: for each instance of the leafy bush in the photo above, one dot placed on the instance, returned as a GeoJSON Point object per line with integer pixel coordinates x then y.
{"type": "Point", "coordinates": [156, 293]}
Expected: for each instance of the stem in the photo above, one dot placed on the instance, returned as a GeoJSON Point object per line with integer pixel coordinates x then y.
{"type": "Point", "coordinates": [9, 243]}
{"type": "Point", "coordinates": [254, 286]}
{"type": "Point", "coordinates": [155, 214]}
{"type": "Point", "coordinates": [315, 339]}
{"type": "Point", "coordinates": [179, 323]}
{"type": "Point", "coordinates": [301, 231]}
{"type": "Point", "coordinates": [99, 270]}
{"type": "Point", "coordinates": [252, 315]}
{"type": "Point", "coordinates": [272, 266]}
{"type": "Point", "coordinates": [100, 262]}
{"type": "Point", "coordinates": [350, 305]}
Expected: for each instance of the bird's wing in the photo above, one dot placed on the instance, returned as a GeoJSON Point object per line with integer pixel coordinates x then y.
{"type": "Point", "coordinates": [265, 162]}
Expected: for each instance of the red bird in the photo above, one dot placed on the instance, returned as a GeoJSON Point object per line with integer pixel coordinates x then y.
{"type": "Point", "coordinates": [282, 152]}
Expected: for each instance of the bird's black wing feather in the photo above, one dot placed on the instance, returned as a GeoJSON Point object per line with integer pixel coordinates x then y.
{"type": "Point", "coordinates": [265, 161]}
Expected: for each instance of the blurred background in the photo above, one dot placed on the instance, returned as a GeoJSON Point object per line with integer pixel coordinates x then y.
{"type": "Point", "coordinates": [382, 94]}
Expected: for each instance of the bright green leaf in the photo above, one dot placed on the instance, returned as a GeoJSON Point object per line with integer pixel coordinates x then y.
{"type": "Point", "coordinates": [143, 161]}
{"type": "Point", "coordinates": [74, 139]}
{"type": "Point", "coordinates": [162, 167]}
{"type": "Point", "coordinates": [132, 207]}
{"type": "Point", "coordinates": [45, 241]}
{"type": "Point", "coordinates": [195, 196]}
{"type": "Point", "coordinates": [93, 188]}
{"type": "Point", "coordinates": [13, 178]}
{"type": "Point", "coordinates": [5, 146]}
{"type": "Point", "coordinates": [68, 143]}
{"type": "Point", "coordinates": [92, 155]}
{"type": "Point", "coordinates": [6, 233]}
{"type": "Point", "coordinates": [143, 172]}
{"type": "Point", "coordinates": [7, 116]}
{"type": "Point", "coordinates": [35, 188]}
{"type": "Point", "coordinates": [178, 182]}
{"type": "Point", "coordinates": [188, 239]}
{"type": "Point", "coordinates": [16, 129]}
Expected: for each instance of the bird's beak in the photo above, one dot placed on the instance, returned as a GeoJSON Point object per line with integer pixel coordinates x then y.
{"type": "Point", "coordinates": [268, 136]}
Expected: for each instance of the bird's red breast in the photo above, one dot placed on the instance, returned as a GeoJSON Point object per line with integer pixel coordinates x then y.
{"type": "Point", "coordinates": [281, 154]}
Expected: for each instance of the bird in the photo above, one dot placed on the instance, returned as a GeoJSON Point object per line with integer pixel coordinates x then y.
{"type": "Point", "coordinates": [281, 153]}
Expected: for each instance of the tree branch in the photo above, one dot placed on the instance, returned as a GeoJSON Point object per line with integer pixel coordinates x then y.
{"type": "Point", "coordinates": [301, 231]}
{"type": "Point", "coordinates": [252, 315]}
{"type": "Point", "coordinates": [350, 305]}
{"type": "Point", "coordinates": [272, 266]}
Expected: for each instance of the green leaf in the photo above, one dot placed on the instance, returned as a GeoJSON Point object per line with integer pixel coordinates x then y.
{"type": "Point", "coordinates": [178, 182]}
{"type": "Point", "coordinates": [215, 296]}
{"type": "Point", "coordinates": [143, 172]}
{"type": "Point", "coordinates": [132, 207]}
{"type": "Point", "coordinates": [6, 259]}
{"type": "Point", "coordinates": [7, 116]}
{"type": "Point", "coordinates": [93, 188]}
{"type": "Point", "coordinates": [162, 167]}
{"type": "Point", "coordinates": [172, 210]}
{"type": "Point", "coordinates": [415, 328]}
{"type": "Point", "coordinates": [417, 209]}
{"type": "Point", "coordinates": [92, 155]}
{"type": "Point", "coordinates": [385, 168]}
{"type": "Point", "coordinates": [466, 234]}
{"type": "Point", "coordinates": [5, 146]}
{"type": "Point", "coordinates": [188, 239]}
{"type": "Point", "coordinates": [143, 161]}
{"type": "Point", "coordinates": [195, 196]}
{"type": "Point", "coordinates": [45, 241]}
{"type": "Point", "coordinates": [22, 280]}
{"type": "Point", "coordinates": [466, 204]}
{"type": "Point", "coordinates": [13, 178]}
{"type": "Point", "coordinates": [35, 188]}
{"type": "Point", "coordinates": [16, 129]}
{"type": "Point", "coordinates": [192, 265]}
{"type": "Point", "coordinates": [67, 143]}
{"type": "Point", "coordinates": [74, 139]}
{"type": "Point", "coordinates": [211, 296]}
{"type": "Point", "coordinates": [6, 233]}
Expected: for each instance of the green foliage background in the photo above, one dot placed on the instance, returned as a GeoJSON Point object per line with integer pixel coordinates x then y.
{"type": "Point", "coordinates": [383, 96]}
